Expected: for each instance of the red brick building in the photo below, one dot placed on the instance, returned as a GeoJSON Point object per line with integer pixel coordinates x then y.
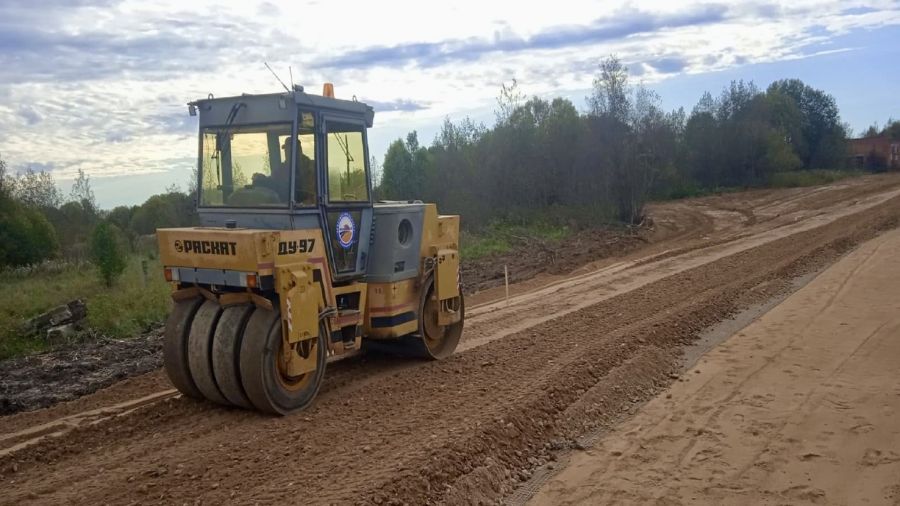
{"type": "Point", "coordinates": [879, 151]}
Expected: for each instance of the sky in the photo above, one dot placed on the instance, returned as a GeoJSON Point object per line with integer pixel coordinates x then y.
{"type": "Point", "coordinates": [101, 85]}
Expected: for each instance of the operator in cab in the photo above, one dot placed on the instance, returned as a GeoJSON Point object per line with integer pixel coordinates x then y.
{"type": "Point", "coordinates": [306, 178]}
{"type": "Point", "coordinates": [279, 180]}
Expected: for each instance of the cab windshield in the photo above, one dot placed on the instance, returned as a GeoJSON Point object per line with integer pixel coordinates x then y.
{"type": "Point", "coordinates": [244, 166]}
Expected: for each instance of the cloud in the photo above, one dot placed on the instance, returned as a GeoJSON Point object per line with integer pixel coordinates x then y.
{"type": "Point", "coordinates": [177, 122]}
{"type": "Point", "coordinates": [29, 114]}
{"type": "Point", "coordinates": [711, 59]}
{"type": "Point", "coordinates": [117, 137]}
{"type": "Point", "coordinates": [66, 45]}
{"type": "Point", "coordinates": [854, 11]}
{"type": "Point", "coordinates": [51, 5]}
{"type": "Point", "coordinates": [268, 9]}
{"type": "Point", "coordinates": [621, 24]}
{"type": "Point", "coordinates": [40, 56]}
{"type": "Point", "coordinates": [402, 105]}
{"type": "Point", "coordinates": [668, 65]}
{"type": "Point", "coordinates": [36, 167]}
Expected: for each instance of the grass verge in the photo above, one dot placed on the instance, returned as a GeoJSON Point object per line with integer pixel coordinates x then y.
{"type": "Point", "coordinates": [500, 238]}
{"type": "Point", "coordinates": [123, 310]}
{"type": "Point", "coordinates": [798, 178]}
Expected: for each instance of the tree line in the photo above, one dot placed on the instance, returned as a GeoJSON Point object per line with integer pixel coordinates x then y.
{"type": "Point", "coordinates": [541, 159]}
{"type": "Point", "coordinates": [38, 222]}
{"type": "Point", "coordinates": [545, 157]}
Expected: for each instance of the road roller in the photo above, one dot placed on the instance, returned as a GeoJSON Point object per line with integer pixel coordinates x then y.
{"type": "Point", "coordinates": [294, 265]}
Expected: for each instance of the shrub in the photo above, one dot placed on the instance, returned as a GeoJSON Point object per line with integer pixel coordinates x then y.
{"type": "Point", "coordinates": [107, 251]}
{"type": "Point", "coordinates": [26, 237]}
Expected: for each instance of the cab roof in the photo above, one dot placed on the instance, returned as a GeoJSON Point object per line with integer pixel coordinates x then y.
{"type": "Point", "coordinates": [274, 107]}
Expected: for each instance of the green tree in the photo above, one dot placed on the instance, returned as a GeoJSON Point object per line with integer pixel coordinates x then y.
{"type": "Point", "coordinates": [701, 148]}
{"type": "Point", "coordinates": [822, 131]}
{"type": "Point", "coordinates": [73, 224]}
{"type": "Point", "coordinates": [397, 166]}
{"type": "Point", "coordinates": [611, 91]}
{"type": "Point", "coordinates": [892, 129]}
{"type": "Point", "coordinates": [652, 151]}
{"type": "Point", "coordinates": [37, 189]}
{"type": "Point", "coordinates": [173, 209]}
{"type": "Point", "coordinates": [404, 169]}
{"type": "Point", "coordinates": [785, 115]}
{"type": "Point", "coordinates": [195, 175]}
{"type": "Point", "coordinates": [4, 178]}
{"type": "Point", "coordinates": [83, 193]}
{"type": "Point", "coordinates": [508, 101]}
{"type": "Point", "coordinates": [872, 130]}
{"type": "Point", "coordinates": [26, 237]}
{"type": "Point", "coordinates": [561, 131]}
{"type": "Point", "coordinates": [120, 216]}
{"type": "Point", "coordinates": [454, 157]}
{"type": "Point", "coordinates": [735, 99]}
{"type": "Point", "coordinates": [779, 156]}
{"type": "Point", "coordinates": [743, 137]}
{"type": "Point", "coordinates": [107, 251]}
{"type": "Point", "coordinates": [638, 138]}
{"type": "Point", "coordinates": [375, 168]}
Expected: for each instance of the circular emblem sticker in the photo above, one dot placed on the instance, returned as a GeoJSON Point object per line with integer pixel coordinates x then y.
{"type": "Point", "coordinates": [346, 230]}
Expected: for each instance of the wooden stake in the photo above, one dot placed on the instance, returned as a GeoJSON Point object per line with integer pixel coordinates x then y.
{"type": "Point", "coordinates": [506, 279]}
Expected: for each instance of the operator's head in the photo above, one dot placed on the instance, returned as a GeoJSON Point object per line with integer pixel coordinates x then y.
{"type": "Point", "coordinates": [286, 147]}
{"type": "Point", "coordinates": [282, 170]}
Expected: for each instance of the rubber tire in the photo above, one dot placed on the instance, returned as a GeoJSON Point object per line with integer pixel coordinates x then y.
{"type": "Point", "coordinates": [226, 352]}
{"type": "Point", "coordinates": [200, 351]}
{"type": "Point", "coordinates": [417, 342]}
{"type": "Point", "coordinates": [262, 339]}
{"type": "Point", "coordinates": [175, 346]}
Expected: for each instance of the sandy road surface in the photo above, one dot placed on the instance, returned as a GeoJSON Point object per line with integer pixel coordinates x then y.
{"type": "Point", "coordinates": [565, 357]}
{"type": "Point", "coordinates": [800, 407]}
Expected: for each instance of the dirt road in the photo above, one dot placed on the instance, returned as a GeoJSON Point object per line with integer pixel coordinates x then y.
{"type": "Point", "coordinates": [800, 407]}
{"type": "Point", "coordinates": [564, 357]}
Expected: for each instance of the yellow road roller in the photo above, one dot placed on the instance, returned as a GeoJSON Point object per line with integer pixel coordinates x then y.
{"type": "Point", "coordinates": [294, 265]}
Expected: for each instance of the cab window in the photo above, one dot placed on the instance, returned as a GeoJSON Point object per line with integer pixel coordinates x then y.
{"type": "Point", "coordinates": [305, 170]}
{"type": "Point", "coordinates": [242, 167]}
{"type": "Point", "coordinates": [347, 175]}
